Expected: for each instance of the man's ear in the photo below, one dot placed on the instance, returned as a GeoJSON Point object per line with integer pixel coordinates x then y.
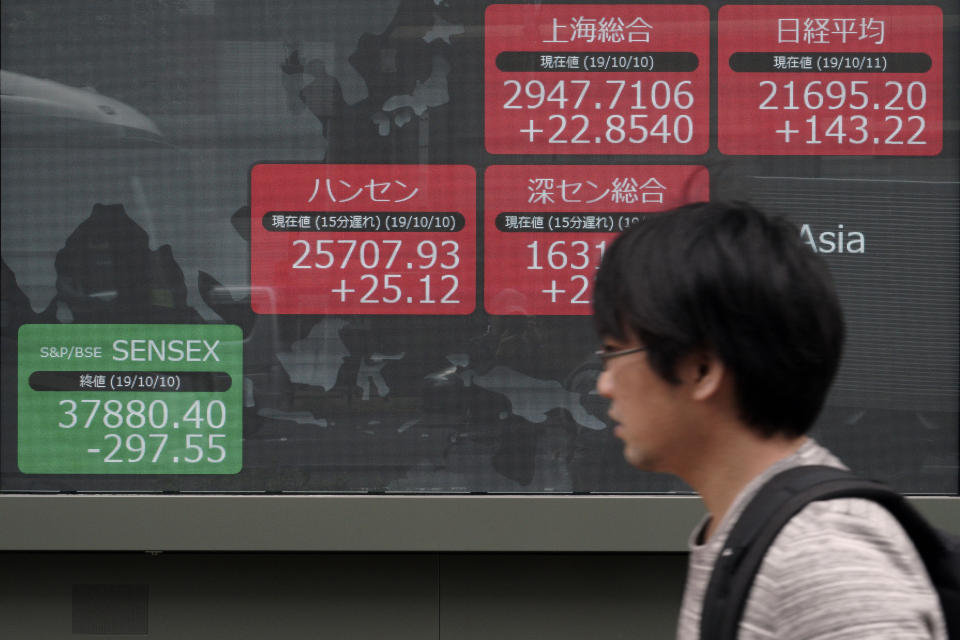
{"type": "Point", "coordinates": [705, 374]}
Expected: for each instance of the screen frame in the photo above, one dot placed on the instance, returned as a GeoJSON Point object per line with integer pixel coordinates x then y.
{"type": "Point", "coordinates": [355, 523]}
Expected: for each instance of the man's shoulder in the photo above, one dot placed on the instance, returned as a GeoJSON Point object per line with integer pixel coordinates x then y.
{"type": "Point", "coordinates": [839, 567]}
{"type": "Point", "coordinates": [841, 535]}
{"type": "Point", "coordinates": [809, 453]}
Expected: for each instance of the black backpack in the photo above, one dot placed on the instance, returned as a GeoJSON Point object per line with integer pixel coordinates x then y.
{"type": "Point", "coordinates": [778, 501]}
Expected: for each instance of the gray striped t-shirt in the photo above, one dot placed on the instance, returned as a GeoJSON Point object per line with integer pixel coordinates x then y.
{"type": "Point", "coordinates": [841, 569]}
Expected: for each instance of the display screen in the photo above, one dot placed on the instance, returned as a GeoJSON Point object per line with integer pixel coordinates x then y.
{"type": "Point", "coordinates": [369, 239]}
{"type": "Point", "coordinates": [140, 398]}
{"type": "Point", "coordinates": [280, 246]}
{"type": "Point", "coordinates": [830, 80]}
{"type": "Point", "coordinates": [596, 78]}
{"type": "Point", "coordinates": [547, 226]}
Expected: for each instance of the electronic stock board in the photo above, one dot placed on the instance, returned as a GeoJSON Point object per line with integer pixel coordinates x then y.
{"type": "Point", "coordinates": [271, 246]}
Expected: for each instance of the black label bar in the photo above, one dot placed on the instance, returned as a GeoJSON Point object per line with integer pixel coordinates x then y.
{"type": "Point", "coordinates": [363, 221]}
{"type": "Point", "coordinates": [170, 381]}
{"type": "Point", "coordinates": [580, 61]}
{"type": "Point", "coordinates": [840, 62]}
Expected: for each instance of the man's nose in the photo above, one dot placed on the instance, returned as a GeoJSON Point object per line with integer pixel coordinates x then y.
{"type": "Point", "coordinates": [604, 384]}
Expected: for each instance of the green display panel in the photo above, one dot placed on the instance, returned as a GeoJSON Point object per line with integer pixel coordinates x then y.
{"type": "Point", "coordinates": [130, 399]}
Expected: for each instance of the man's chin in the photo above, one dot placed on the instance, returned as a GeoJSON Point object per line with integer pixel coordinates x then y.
{"type": "Point", "coordinates": [638, 458]}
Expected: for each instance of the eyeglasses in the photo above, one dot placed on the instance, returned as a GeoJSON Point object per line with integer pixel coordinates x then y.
{"type": "Point", "coordinates": [605, 355]}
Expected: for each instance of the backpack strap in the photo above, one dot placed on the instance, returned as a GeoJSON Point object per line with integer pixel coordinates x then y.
{"type": "Point", "coordinates": [782, 497]}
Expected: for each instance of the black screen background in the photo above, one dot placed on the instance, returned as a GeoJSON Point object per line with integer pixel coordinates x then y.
{"type": "Point", "coordinates": [401, 408]}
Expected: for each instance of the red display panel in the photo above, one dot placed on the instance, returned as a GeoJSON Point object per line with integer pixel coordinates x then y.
{"type": "Point", "coordinates": [546, 227]}
{"type": "Point", "coordinates": [830, 80]}
{"type": "Point", "coordinates": [585, 79]}
{"type": "Point", "coordinates": [363, 239]}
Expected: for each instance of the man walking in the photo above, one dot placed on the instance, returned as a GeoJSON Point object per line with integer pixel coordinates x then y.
{"type": "Point", "coordinates": [721, 335]}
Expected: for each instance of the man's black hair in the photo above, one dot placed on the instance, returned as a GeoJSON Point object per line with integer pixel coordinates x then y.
{"type": "Point", "coordinates": [727, 278]}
